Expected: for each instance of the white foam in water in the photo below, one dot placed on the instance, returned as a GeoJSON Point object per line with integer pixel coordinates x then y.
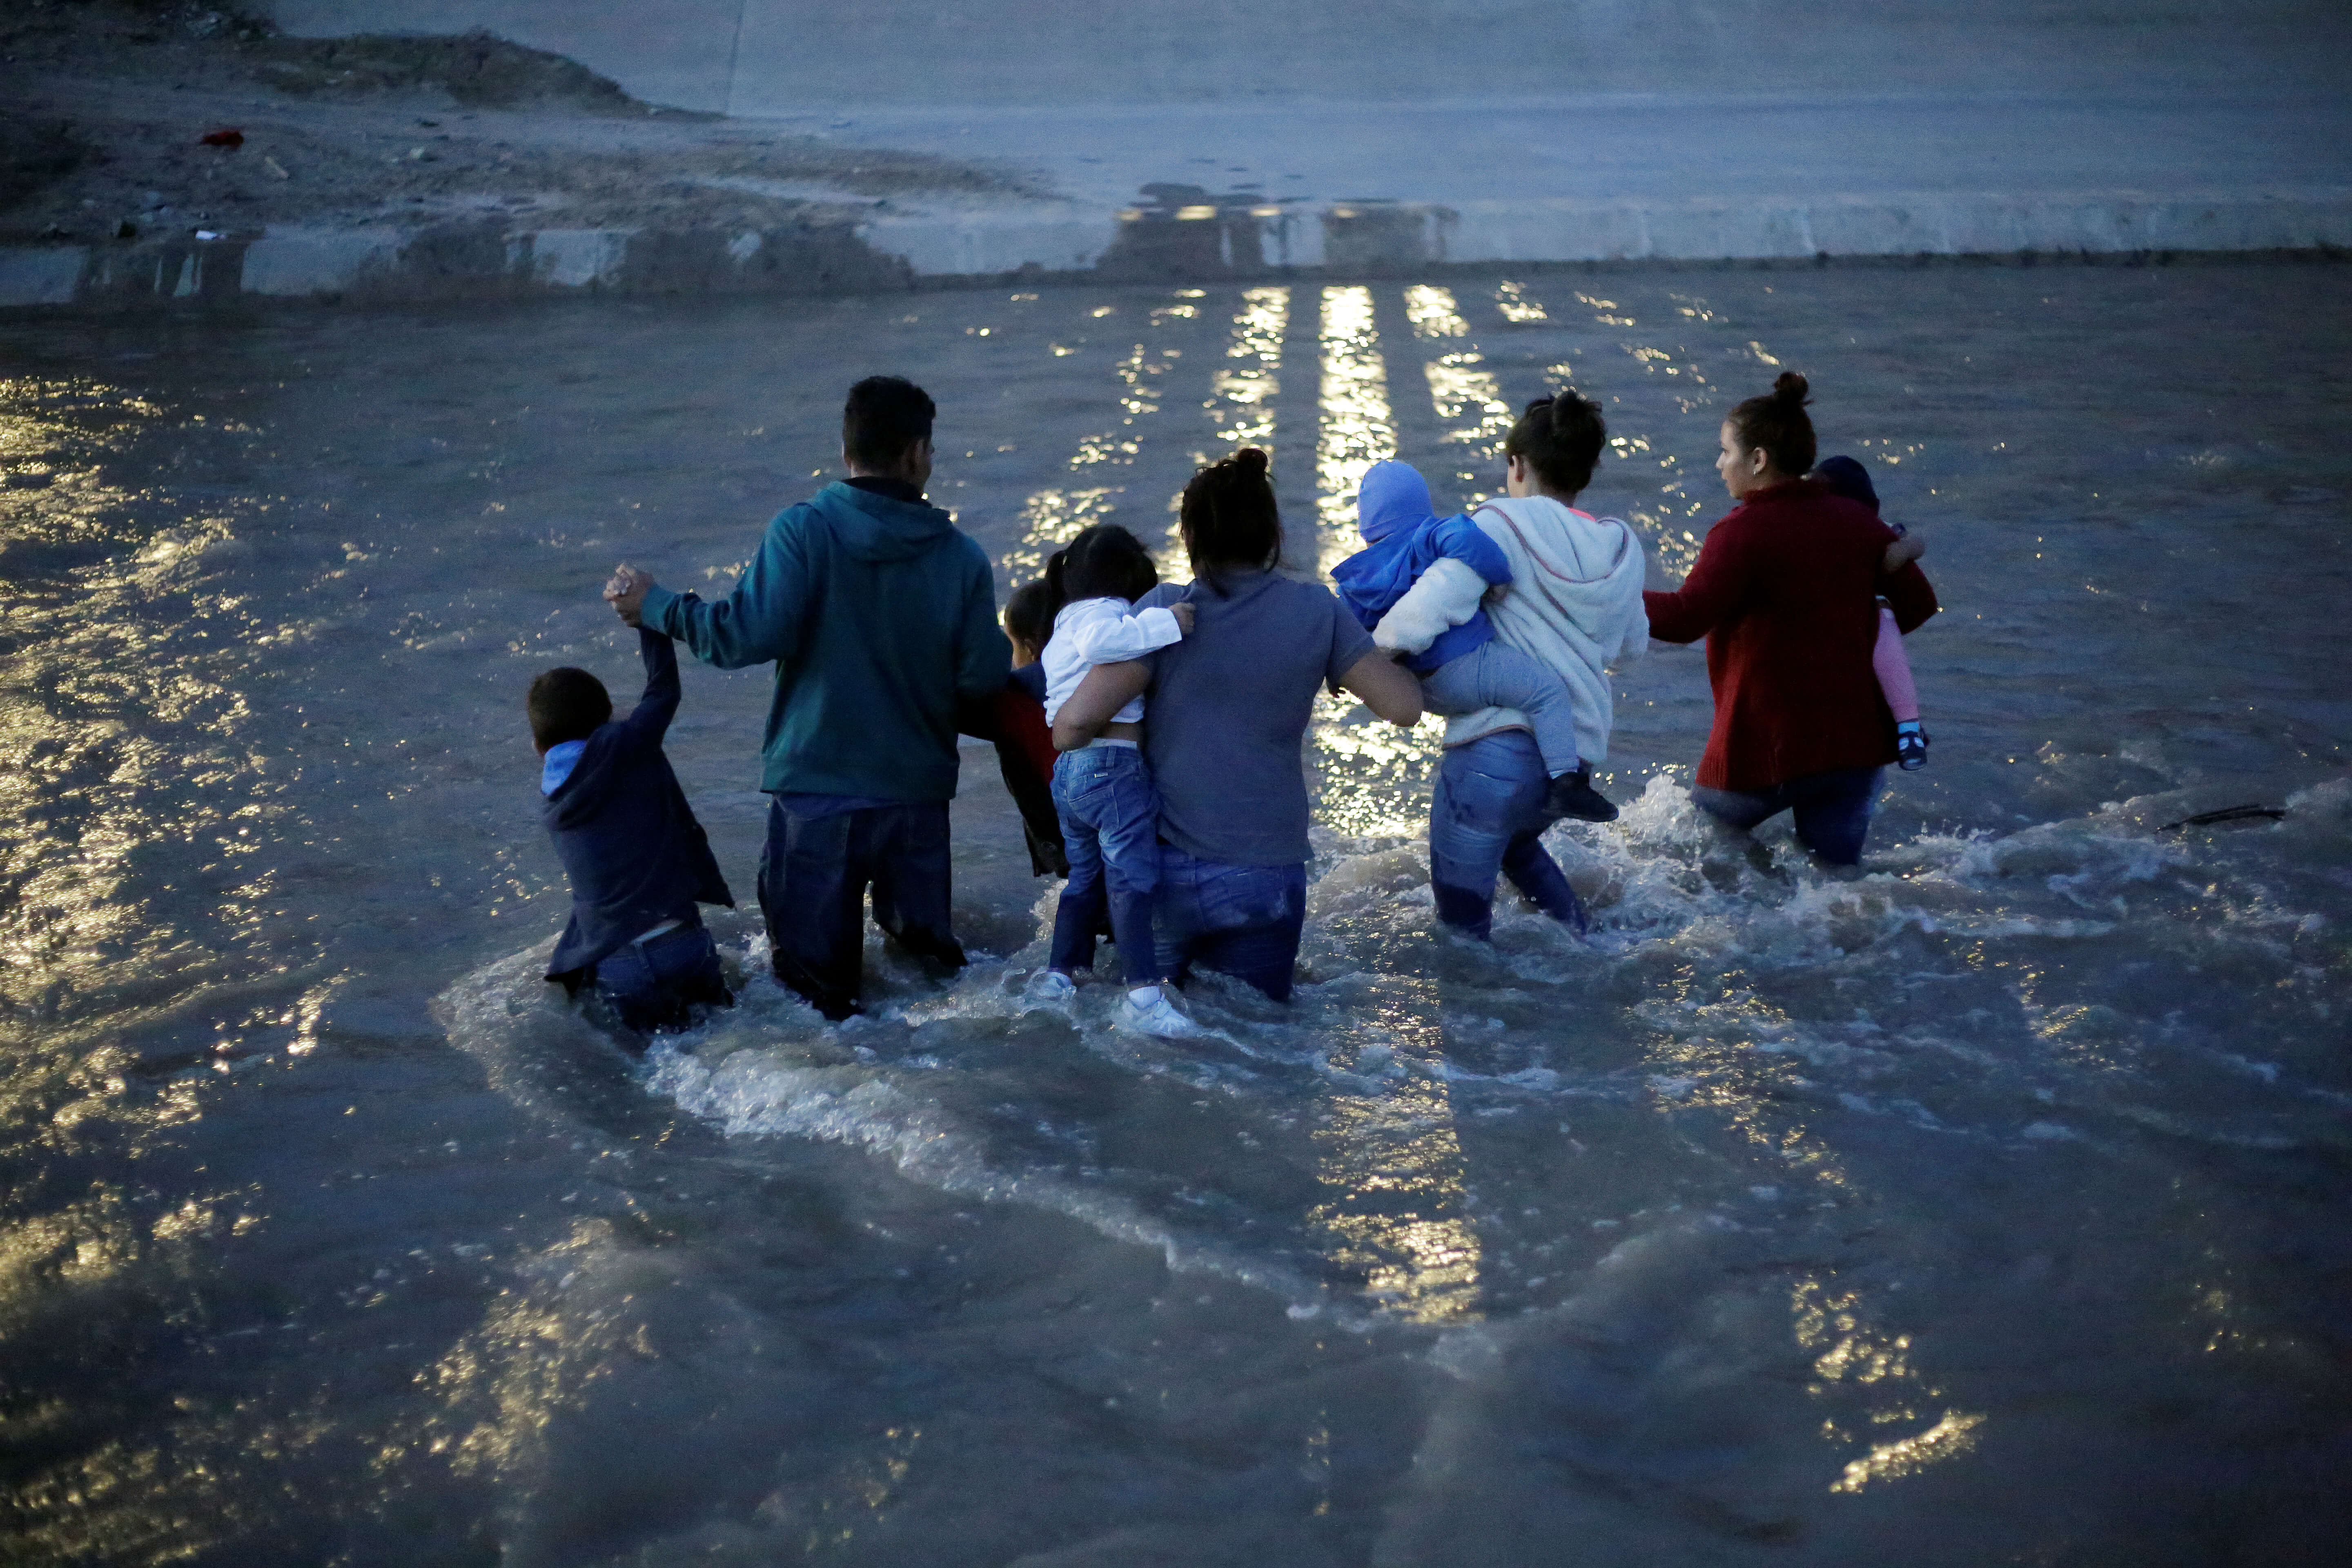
{"type": "Point", "coordinates": [1663, 882]}
{"type": "Point", "coordinates": [772, 1067]}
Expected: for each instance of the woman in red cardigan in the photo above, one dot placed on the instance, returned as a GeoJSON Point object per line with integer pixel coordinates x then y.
{"type": "Point", "coordinates": [1785, 591]}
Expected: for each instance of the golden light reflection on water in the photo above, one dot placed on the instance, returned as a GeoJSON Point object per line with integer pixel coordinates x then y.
{"type": "Point", "coordinates": [1373, 777]}
{"type": "Point", "coordinates": [1468, 401]}
{"type": "Point", "coordinates": [1511, 300]}
{"type": "Point", "coordinates": [1241, 395]}
{"type": "Point", "coordinates": [1052, 516]}
{"type": "Point", "coordinates": [1949, 1438]}
{"type": "Point", "coordinates": [1392, 1162]}
{"type": "Point", "coordinates": [1241, 392]}
{"type": "Point", "coordinates": [863, 1486]}
{"type": "Point", "coordinates": [1861, 1368]}
{"type": "Point", "coordinates": [119, 717]}
{"type": "Point", "coordinates": [529, 1359]}
{"type": "Point", "coordinates": [1356, 430]}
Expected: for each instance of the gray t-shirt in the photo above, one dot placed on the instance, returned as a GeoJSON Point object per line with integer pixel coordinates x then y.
{"type": "Point", "coordinates": [1227, 709]}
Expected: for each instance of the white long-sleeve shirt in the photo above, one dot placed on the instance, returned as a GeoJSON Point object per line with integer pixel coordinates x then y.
{"type": "Point", "coordinates": [1101, 631]}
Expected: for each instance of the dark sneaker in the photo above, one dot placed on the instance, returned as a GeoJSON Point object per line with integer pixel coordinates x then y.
{"type": "Point", "coordinates": [1572, 794]}
{"type": "Point", "coordinates": [1911, 749]}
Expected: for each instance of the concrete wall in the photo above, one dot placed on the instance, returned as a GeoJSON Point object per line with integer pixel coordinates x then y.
{"type": "Point", "coordinates": [774, 56]}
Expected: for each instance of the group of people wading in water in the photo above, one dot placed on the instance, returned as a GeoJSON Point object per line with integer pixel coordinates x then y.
{"type": "Point", "coordinates": [1152, 732]}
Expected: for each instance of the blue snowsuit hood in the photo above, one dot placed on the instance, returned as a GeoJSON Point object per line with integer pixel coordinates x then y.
{"type": "Point", "coordinates": [1393, 495]}
{"type": "Point", "coordinates": [1404, 539]}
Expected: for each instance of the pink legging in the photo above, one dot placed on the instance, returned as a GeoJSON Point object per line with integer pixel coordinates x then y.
{"type": "Point", "coordinates": [1895, 670]}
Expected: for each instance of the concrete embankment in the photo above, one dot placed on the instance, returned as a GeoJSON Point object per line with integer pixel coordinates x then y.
{"type": "Point", "coordinates": [1196, 242]}
{"type": "Point", "coordinates": [1203, 140]}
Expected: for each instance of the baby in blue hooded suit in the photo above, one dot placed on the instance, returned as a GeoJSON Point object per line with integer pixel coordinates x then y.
{"type": "Point", "coordinates": [1467, 666]}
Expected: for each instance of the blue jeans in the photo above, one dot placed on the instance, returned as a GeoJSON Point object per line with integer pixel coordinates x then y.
{"type": "Point", "coordinates": [1497, 675]}
{"type": "Point", "coordinates": [814, 874]}
{"type": "Point", "coordinates": [1485, 820]}
{"type": "Point", "coordinates": [1110, 826]}
{"type": "Point", "coordinates": [1242, 920]}
{"type": "Point", "coordinates": [1833, 809]}
{"type": "Point", "coordinates": [653, 984]}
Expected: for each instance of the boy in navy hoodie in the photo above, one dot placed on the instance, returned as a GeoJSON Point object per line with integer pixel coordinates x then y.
{"type": "Point", "coordinates": [637, 859]}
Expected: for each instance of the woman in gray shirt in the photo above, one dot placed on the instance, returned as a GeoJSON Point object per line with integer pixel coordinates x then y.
{"type": "Point", "coordinates": [1227, 711]}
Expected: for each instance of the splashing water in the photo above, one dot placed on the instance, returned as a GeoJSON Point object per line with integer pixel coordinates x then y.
{"type": "Point", "coordinates": [1926, 1210]}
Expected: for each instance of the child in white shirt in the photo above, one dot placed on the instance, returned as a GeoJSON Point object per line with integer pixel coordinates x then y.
{"type": "Point", "coordinates": [1103, 792]}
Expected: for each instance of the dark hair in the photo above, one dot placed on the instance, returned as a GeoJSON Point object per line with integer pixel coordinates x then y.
{"type": "Point", "coordinates": [884, 417]}
{"type": "Point", "coordinates": [566, 704]}
{"type": "Point", "coordinates": [1560, 439]}
{"type": "Point", "coordinates": [1029, 612]}
{"type": "Point", "coordinates": [1778, 422]}
{"type": "Point", "coordinates": [1228, 517]}
{"type": "Point", "coordinates": [1846, 476]}
{"type": "Point", "coordinates": [1106, 562]}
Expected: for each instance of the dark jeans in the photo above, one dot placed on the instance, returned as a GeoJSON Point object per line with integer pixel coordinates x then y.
{"type": "Point", "coordinates": [1833, 809]}
{"type": "Point", "coordinates": [653, 984]}
{"type": "Point", "coordinates": [813, 876]}
{"type": "Point", "coordinates": [1110, 818]}
{"type": "Point", "coordinates": [1242, 920]}
{"type": "Point", "coordinates": [1485, 820]}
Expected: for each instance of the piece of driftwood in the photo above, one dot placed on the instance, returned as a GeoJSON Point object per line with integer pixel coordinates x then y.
{"type": "Point", "coordinates": [2228, 814]}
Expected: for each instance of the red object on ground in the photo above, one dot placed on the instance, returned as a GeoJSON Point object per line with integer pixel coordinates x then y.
{"type": "Point", "coordinates": [1784, 590]}
{"type": "Point", "coordinates": [226, 136]}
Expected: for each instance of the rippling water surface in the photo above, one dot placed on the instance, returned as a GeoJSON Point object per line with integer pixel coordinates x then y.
{"type": "Point", "coordinates": [1989, 1206]}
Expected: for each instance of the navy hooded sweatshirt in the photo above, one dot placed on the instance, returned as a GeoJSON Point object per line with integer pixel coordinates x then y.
{"type": "Point", "coordinates": [880, 616]}
{"type": "Point", "coordinates": [635, 855]}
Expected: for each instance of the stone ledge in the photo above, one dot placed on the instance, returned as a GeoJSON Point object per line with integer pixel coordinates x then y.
{"type": "Point", "coordinates": [1201, 243]}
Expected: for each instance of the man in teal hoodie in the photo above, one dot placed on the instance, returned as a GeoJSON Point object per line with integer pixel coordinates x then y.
{"type": "Point", "coordinates": [879, 616]}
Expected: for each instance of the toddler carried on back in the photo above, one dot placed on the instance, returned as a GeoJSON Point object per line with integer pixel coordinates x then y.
{"type": "Point", "coordinates": [1848, 477]}
{"type": "Point", "coordinates": [1102, 790]}
{"type": "Point", "coordinates": [1417, 588]}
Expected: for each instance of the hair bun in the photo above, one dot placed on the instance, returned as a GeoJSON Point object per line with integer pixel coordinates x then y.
{"type": "Point", "coordinates": [1790, 387]}
{"type": "Point", "coordinates": [1252, 462]}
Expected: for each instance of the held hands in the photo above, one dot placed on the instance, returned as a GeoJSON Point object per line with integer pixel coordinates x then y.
{"type": "Point", "coordinates": [626, 592]}
{"type": "Point", "coordinates": [1183, 611]}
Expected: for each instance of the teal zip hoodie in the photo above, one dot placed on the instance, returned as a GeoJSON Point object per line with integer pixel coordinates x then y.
{"type": "Point", "coordinates": [878, 614]}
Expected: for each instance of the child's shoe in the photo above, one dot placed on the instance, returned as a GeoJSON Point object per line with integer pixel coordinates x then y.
{"type": "Point", "coordinates": [1910, 746]}
{"type": "Point", "coordinates": [1049, 988]}
{"type": "Point", "coordinates": [1157, 1017]}
{"type": "Point", "coordinates": [1572, 794]}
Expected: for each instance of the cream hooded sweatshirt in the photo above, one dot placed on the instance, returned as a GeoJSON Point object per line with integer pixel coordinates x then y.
{"type": "Point", "coordinates": [1574, 604]}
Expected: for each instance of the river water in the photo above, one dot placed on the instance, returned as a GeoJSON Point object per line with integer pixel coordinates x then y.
{"type": "Point", "coordinates": [1988, 1206]}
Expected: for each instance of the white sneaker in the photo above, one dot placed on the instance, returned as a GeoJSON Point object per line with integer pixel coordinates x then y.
{"type": "Point", "coordinates": [1049, 987]}
{"type": "Point", "coordinates": [1158, 1017]}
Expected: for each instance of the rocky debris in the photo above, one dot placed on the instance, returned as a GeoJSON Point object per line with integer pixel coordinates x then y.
{"type": "Point", "coordinates": [477, 69]}
{"type": "Point", "coordinates": [109, 103]}
{"type": "Point", "coordinates": [34, 151]}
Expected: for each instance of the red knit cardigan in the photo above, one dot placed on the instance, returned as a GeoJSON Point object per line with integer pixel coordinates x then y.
{"type": "Point", "coordinates": [1784, 590]}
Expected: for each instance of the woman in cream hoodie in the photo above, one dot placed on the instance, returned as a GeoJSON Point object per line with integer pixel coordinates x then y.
{"type": "Point", "coordinates": [1574, 604]}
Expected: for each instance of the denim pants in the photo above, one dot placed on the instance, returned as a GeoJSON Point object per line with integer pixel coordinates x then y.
{"type": "Point", "coordinates": [814, 875]}
{"type": "Point", "coordinates": [1242, 920]}
{"type": "Point", "coordinates": [652, 984]}
{"type": "Point", "coordinates": [1496, 675]}
{"type": "Point", "coordinates": [1110, 831]}
{"type": "Point", "coordinates": [1833, 809]}
{"type": "Point", "coordinates": [1485, 820]}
